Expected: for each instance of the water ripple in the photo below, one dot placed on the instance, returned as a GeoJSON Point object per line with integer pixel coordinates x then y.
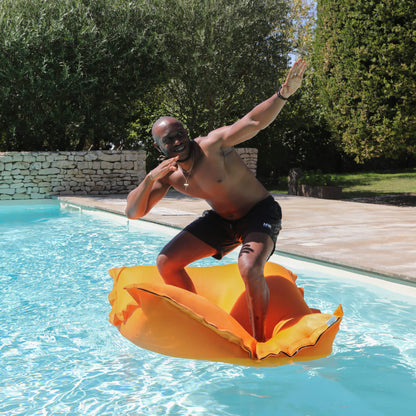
{"type": "Point", "coordinates": [60, 355]}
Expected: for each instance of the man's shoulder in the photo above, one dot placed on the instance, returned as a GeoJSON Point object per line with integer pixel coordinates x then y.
{"type": "Point", "coordinates": [212, 139]}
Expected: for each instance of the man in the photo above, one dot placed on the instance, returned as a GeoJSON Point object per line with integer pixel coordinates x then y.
{"type": "Point", "coordinates": [243, 212]}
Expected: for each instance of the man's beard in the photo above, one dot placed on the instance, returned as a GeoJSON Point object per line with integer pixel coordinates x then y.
{"type": "Point", "coordinates": [189, 153]}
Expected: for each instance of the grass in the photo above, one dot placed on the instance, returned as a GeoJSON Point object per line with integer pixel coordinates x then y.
{"type": "Point", "coordinates": [369, 184]}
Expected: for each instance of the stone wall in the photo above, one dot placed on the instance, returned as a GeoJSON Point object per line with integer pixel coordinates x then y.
{"type": "Point", "coordinates": [249, 155]}
{"type": "Point", "coordinates": [39, 175]}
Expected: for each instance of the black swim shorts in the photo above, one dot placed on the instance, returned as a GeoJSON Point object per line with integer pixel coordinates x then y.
{"type": "Point", "coordinates": [225, 235]}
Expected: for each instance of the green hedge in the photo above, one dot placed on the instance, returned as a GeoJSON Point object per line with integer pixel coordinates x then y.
{"type": "Point", "coordinates": [365, 67]}
{"type": "Point", "coordinates": [71, 70]}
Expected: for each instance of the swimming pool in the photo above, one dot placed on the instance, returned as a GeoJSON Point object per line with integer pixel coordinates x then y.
{"type": "Point", "coordinates": [60, 355]}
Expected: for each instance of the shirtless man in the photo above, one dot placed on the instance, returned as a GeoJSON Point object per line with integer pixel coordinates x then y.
{"type": "Point", "coordinates": [243, 212]}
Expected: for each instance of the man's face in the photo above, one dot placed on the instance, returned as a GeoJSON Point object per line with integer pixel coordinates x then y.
{"type": "Point", "coordinates": [172, 140]}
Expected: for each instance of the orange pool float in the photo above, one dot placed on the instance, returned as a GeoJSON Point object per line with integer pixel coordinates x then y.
{"type": "Point", "coordinates": [213, 324]}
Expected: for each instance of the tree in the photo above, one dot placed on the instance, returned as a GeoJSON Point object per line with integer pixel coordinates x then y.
{"type": "Point", "coordinates": [71, 70]}
{"type": "Point", "coordinates": [366, 75]}
{"type": "Point", "coordinates": [222, 56]}
{"type": "Point", "coordinates": [304, 137]}
{"type": "Point", "coordinates": [301, 32]}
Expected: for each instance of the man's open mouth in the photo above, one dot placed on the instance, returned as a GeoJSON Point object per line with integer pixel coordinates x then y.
{"type": "Point", "coordinates": [179, 149]}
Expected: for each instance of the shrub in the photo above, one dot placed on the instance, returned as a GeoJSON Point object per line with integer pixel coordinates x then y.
{"type": "Point", "coordinates": [316, 178]}
{"type": "Point", "coordinates": [70, 71]}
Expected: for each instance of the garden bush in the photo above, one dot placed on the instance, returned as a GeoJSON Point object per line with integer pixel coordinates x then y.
{"type": "Point", "coordinates": [71, 70]}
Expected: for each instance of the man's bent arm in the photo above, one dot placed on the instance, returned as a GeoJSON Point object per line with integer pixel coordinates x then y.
{"type": "Point", "coordinates": [151, 190]}
{"type": "Point", "coordinates": [141, 200]}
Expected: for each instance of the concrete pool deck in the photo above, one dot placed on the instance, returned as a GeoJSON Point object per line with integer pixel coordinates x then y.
{"type": "Point", "coordinates": [373, 238]}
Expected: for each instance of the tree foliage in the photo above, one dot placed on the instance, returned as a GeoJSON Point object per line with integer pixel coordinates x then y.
{"type": "Point", "coordinates": [223, 57]}
{"type": "Point", "coordinates": [302, 30]}
{"type": "Point", "coordinates": [300, 136]}
{"type": "Point", "coordinates": [365, 68]}
{"type": "Point", "coordinates": [75, 73]}
{"type": "Point", "coordinates": [71, 70]}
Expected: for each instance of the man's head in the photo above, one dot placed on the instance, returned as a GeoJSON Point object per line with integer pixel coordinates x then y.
{"type": "Point", "coordinates": [171, 138]}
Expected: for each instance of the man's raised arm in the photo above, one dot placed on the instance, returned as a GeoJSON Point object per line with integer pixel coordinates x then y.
{"type": "Point", "coordinates": [263, 114]}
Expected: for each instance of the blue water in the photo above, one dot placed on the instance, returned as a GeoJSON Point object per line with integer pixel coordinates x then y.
{"type": "Point", "coordinates": [59, 355]}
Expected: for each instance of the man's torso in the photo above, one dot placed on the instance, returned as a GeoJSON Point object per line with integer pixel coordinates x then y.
{"type": "Point", "coordinates": [221, 178]}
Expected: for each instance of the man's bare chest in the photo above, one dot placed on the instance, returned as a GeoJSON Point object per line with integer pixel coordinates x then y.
{"type": "Point", "coordinates": [204, 179]}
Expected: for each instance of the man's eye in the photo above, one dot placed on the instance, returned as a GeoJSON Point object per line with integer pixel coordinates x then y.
{"type": "Point", "coordinates": [171, 139]}
{"type": "Point", "coordinates": [175, 137]}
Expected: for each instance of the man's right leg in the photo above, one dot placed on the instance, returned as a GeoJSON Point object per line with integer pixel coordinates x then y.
{"type": "Point", "coordinates": [184, 249]}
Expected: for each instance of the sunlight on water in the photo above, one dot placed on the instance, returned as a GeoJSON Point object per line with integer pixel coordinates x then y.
{"type": "Point", "coordinates": [60, 355]}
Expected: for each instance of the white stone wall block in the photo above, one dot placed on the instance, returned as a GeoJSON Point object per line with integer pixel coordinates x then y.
{"type": "Point", "coordinates": [111, 157]}
{"type": "Point", "coordinates": [91, 156]}
{"type": "Point", "coordinates": [20, 196]}
{"type": "Point", "coordinates": [5, 157]}
{"type": "Point", "coordinates": [106, 165]}
{"type": "Point", "coordinates": [8, 191]}
{"type": "Point", "coordinates": [49, 171]}
{"type": "Point", "coordinates": [64, 164]}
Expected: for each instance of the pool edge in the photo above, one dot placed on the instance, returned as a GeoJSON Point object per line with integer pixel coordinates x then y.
{"type": "Point", "coordinates": [374, 272]}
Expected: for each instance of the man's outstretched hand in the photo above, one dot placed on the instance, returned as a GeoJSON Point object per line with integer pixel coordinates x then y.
{"type": "Point", "coordinates": [294, 78]}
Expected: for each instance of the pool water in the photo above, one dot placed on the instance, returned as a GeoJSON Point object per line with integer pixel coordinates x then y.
{"type": "Point", "coordinates": [59, 355]}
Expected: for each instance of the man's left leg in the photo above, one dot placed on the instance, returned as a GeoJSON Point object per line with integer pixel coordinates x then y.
{"type": "Point", "coordinates": [254, 254]}
{"type": "Point", "coordinates": [182, 250]}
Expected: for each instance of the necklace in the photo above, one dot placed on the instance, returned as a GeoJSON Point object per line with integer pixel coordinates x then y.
{"type": "Point", "coordinates": [187, 173]}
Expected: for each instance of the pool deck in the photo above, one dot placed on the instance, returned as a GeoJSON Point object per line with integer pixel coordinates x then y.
{"type": "Point", "coordinates": [379, 239]}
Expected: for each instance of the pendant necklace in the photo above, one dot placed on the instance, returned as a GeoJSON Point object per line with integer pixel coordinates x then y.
{"type": "Point", "coordinates": [187, 173]}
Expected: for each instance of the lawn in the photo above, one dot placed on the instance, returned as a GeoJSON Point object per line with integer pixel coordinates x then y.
{"type": "Point", "coordinates": [369, 184]}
